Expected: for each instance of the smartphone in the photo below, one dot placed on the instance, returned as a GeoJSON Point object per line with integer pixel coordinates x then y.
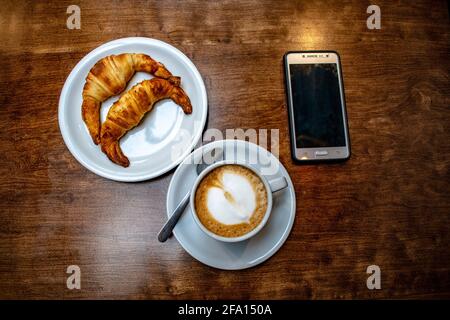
{"type": "Point", "coordinates": [316, 103]}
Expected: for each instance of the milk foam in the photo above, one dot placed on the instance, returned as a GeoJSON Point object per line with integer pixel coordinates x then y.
{"type": "Point", "coordinates": [234, 201]}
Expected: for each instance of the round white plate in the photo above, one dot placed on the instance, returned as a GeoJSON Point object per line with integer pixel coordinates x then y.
{"type": "Point", "coordinates": [248, 253]}
{"type": "Point", "coordinates": [165, 136]}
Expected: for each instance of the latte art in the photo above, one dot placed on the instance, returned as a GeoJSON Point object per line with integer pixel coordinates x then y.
{"type": "Point", "coordinates": [231, 200]}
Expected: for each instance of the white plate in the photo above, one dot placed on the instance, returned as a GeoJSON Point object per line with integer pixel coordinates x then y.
{"type": "Point", "coordinates": [245, 254]}
{"type": "Point", "coordinates": [166, 135]}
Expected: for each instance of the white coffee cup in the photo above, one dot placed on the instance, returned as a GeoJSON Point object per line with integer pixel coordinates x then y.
{"type": "Point", "coordinates": [271, 187]}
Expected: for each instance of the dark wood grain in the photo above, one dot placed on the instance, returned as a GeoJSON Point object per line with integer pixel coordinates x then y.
{"type": "Point", "coordinates": [389, 205]}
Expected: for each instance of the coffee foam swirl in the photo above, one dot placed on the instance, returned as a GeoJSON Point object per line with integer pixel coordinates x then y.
{"type": "Point", "coordinates": [233, 200]}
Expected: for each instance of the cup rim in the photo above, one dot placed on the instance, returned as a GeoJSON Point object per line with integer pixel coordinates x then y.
{"type": "Point", "coordinates": [248, 234]}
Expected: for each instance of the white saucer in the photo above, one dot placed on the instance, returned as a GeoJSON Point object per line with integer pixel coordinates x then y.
{"type": "Point", "coordinates": [245, 254]}
{"type": "Point", "coordinates": [165, 136]}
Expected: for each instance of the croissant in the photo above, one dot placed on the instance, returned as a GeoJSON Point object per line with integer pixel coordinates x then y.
{"type": "Point", "coordinates": [109, 77]}
{"type": "Point", "coordinates": [129, 110]}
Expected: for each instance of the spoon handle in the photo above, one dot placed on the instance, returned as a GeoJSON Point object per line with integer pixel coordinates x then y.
{"type": "Point", "coordinates": [166, 230]}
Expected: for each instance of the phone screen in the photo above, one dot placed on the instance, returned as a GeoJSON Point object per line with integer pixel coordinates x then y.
{"type": "Point", "coordinates": [316, 99]}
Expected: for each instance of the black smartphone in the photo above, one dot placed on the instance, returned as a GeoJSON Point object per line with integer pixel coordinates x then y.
{"type": "Point", "coordinates": [316, 103]}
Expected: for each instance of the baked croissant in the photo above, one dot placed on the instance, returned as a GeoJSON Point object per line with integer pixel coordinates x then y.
{"type": "Point", "coordinates": [109, 77]}
{"type": "Point", "coordinates": [129, 110]}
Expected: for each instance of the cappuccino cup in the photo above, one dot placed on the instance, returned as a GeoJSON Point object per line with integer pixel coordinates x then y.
{"type": "Point", "coordinates": [231, 201]}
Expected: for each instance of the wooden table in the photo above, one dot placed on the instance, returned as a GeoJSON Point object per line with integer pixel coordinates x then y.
{"type": "Point", "coordinates": [389, 205]}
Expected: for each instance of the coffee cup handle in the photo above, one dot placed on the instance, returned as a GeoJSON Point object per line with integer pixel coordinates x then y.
{"type": "Point", "coordinates": [278, 184]}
